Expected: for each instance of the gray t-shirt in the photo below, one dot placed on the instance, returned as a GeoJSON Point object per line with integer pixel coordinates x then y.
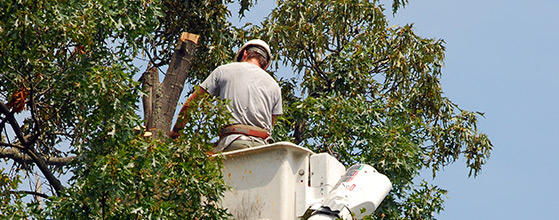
{"type": "Point", "coordinates": [255, 96]}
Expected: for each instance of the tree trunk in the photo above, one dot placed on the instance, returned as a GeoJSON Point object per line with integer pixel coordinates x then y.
{"type": "Point", "coordinates": [160, 101]}
{"type": "Point", "coordinates": [150, 83]}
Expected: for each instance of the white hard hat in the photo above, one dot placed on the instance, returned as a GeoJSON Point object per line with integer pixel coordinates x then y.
{"type": "Point", "coordinates": [255, 42]}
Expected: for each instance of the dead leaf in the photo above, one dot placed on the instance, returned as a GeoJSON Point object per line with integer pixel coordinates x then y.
{"type": "Point", "coordinates": [17, 101]}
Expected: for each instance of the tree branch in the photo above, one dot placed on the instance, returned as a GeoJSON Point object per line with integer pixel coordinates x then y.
{"type": "Point", "coordinates": [11, 145]}
{"type": "Point", "coordinates": [31, 193]}
{"type": "Point", "coordinates": [2, 123]}
{"type": "Point", "coordinates": [164, 98]}
{"type": "Point", "coordinates": [19, 157]}
{"type": "Point", "coordinates": [30, 151]}
{"type": "Point", "coordinates": [40, 162]}
{"type": "Point", "coordinates": [13, 122]}
{"type": "Point", "coordinates": [150, 85]}
{"type": "Point", "coordinates": [300, 127]}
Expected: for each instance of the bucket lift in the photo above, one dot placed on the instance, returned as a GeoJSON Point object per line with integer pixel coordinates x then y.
{"type": "Point", "coordinates": [283, 181]}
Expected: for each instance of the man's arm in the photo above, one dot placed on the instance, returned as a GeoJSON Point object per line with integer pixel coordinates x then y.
{"type": "Point", "coordinates": [199, 92]}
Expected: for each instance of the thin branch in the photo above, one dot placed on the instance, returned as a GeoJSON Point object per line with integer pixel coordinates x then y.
{"type": "Point", "coordinates": [42, 165]}
{"type": "Point", "coordinates": [65, 134]}
{"type": "Point", "coordinates": [33, 138]}
{"type": "Point", "coordinates": [314, 63]}
{"type": "Point", "coordinates": [30, 192]}
{"type": "Point", "coordinates": [2, 123]}
{"type": "Point", "coordinates": [30, 151]}
{"type": "Point", "coordinates": [11, 145]}
{"type": "Point", "coordinates": [7, 136]}
{"type": "Point", "coordinates": [13, 122]}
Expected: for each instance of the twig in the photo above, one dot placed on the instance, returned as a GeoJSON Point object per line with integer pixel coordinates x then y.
{"type": "Point", "coordinates": [29, 192]}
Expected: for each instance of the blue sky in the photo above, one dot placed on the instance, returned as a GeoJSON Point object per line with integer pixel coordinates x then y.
{"type": "Point", "coordinates": [501, 59]}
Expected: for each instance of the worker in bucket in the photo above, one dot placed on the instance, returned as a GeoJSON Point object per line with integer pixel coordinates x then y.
{"type": "Point", "coordinates": [255, 98]}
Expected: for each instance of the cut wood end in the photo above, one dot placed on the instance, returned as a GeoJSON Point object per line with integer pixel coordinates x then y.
{"type": "Point", "coordinates": [185, 36]}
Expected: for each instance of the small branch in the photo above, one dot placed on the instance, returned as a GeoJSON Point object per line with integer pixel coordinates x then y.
{"type": "Point", "coordinates": [13, 122]}
{"type": "Point", "coordinates": [33, 106]}
{"type": "Point", "coordinates": [65, 134]}
{"type": "Point", "coordinates": [43, 167]}
{"type": "Point", "coordinates": [30, 151]}
{"type": "Point", "coordinates": [151, 59]}
{"type": "Point", "coordinates": [10, 145]}
{"type": "Point", "coordinates": [30, 193]}
{"type": "Point", "coordinates": [2, 123]}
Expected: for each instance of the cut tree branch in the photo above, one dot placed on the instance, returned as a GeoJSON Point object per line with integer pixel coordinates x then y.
{"type": "Point", "coordinates": [160, 101]}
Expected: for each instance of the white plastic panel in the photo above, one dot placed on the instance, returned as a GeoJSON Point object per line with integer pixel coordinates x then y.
{"type": "Point", "coordinates": [325, 173]}
{"type": "Point", "coordinates": [266, 182]}
{"type": "Point", "coordinates": [361, 190]}
{"type": "Point", "coordinates": [280, 181]}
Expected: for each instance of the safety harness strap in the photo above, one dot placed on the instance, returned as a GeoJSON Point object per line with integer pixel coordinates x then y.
{"type": "Point", "coordinates": [246, 130]}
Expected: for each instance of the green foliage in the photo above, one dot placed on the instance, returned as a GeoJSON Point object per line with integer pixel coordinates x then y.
{"type": "Point", "coordinates": [205, 18]}
{"type": "Point", "coordinates": [11, 204]}
{"type": "Point", "coordinates": [61, 53]}
{"type": "Point", "coordinates": [73, 59]}
{"type": "Point", "coordinates": [370, 93]}
{"type": "Point", "coordinates": [422, 203]}
{"type": "Point", "coordinates": [362, 91]}
{"type": "Point", "coordinates": [144, 179]}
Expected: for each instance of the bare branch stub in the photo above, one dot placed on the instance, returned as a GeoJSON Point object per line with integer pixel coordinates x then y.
{"type": "Point", "coordinates": [161, 100]}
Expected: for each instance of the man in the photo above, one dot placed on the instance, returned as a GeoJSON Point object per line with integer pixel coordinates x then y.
{"type": "Point", "coordinates": [255, 98]}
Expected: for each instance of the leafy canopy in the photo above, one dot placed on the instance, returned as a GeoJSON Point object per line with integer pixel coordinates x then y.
{"type": "Point", "coordinates": [72, 65]}
{"type": "Point", "coordinates": [361, 90]}
{"type": "Point", "coordinates": [370, 93]}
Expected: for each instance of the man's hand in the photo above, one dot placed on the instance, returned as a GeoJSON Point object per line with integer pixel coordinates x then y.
{"type": "Point", "coordinates": [173, 134]}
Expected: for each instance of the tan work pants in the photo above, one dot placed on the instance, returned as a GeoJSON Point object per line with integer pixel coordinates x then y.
{"type": "Point", "coordinates": [244, 142]}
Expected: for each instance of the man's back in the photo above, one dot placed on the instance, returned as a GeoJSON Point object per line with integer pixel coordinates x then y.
{"type": "Point", "coordinates": [255, 96]}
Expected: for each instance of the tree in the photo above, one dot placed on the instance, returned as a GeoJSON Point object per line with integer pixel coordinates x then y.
{"type": "Point", "coordinates": [370, 93]}
{"type": "Point", "coordinates": [68, 110]}
{"type": "Point", "coordinates": [363, 91]}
